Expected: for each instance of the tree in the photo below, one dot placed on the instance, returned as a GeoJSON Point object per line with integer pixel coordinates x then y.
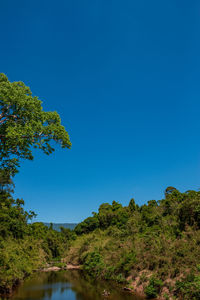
{"type": "Point", "coordinates": [6, 183]}
{"type": "Point", "coordinates": [24, 125]}
{"type": "Point", "coordinates": [132, 205]}
{"type": "Point", "coordinates": [169, 190]}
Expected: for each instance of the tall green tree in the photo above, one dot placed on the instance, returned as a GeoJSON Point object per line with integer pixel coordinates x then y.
{"type": "Point", "coordinates": [6, 183]}
{"type": "Point", "coordinates": [24, 125]}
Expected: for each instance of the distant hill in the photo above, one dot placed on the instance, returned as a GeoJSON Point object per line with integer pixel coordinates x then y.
{"type": "Point", "coordinates": [56, 226]}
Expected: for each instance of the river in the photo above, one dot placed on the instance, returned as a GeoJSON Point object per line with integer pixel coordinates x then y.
{"type": "Point", "coordinates": [69, 285]}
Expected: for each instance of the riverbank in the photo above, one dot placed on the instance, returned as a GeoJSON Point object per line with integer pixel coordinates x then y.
{"type": "Point", "coordinates": [56, 268]}
{"type": "Point", "coordinates": [65, 270]}
{"type": "Point", "coordinates": [134, 285]}
{"type": "Point", "coordinates": [151, 266]}
{"type": "Point", "coordinates": [154, 247]}
{"type": "Point", "coordinates": [19, 259]}
{"type": "Point", "coordinates": [9, 287]}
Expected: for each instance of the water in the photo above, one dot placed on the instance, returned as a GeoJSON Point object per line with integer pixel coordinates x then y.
{"type": "Point", "coordinates": [69, 285]}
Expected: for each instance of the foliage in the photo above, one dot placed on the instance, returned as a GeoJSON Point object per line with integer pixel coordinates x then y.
{"type": "Point", "coordinates": [126, 263]}
{"type": "Point", "coordinates": [154, 287]}
{"type": "Point", "coordinates": [189, 287]}
{"type": "Point", "coordinates": [108, 215]}
{"type": "Point", "coordinates": [160, 239]}
{"type": "Point", "coordinates": [88, 225]}
{"type": "Point", "coordinates": [13, 218]}
{"type": "Point", "coordinates": [18, 258]}
{"type": "Point", "coordinates": [24, 124]}
{"type": "Point", "coordinates": [93, 263]}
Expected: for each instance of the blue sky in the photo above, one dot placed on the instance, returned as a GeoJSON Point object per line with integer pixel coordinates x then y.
{"type": "Point", "coordinates": [124, 76]}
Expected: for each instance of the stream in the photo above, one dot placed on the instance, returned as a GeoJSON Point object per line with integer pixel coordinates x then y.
{"type": "Point", "coordinates": [69, 285]}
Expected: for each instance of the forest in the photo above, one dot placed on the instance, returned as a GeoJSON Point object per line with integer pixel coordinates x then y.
{"type": "Point", "coordinates": [152, 249]}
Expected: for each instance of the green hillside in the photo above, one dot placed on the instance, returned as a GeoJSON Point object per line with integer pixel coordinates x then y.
{"type": "Point", "coordinates": [154, 249]}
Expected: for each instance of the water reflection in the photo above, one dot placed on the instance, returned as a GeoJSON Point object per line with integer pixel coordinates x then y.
{"type": "Point", "coordinates": [68, 285]}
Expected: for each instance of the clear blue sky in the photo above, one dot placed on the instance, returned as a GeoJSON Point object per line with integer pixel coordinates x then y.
{"type": "Point", "coordinates": [125, 78]}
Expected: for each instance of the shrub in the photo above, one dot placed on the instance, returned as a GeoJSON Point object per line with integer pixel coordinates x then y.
{"type": "Point", "coordinates": [189, 288]}
{"type": "Point", "coordinates": [154, 287]}
{"type": "Point", "coordinates": [93, 263]}
{"type": "Point", "coordinates": [127, 262]}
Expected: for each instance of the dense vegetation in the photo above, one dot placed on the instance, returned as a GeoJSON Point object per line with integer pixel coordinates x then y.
{"type": "Point", "coordinates": [154, 247]}
{"type": "Point", "coordinates": [24, 247]}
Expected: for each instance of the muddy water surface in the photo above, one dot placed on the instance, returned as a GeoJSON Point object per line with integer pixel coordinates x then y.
{"type": "Point", "coordinates": [69, 285]}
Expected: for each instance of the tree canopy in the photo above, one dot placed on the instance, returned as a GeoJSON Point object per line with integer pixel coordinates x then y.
{"type": "Point", "coordinates": [24, 125]}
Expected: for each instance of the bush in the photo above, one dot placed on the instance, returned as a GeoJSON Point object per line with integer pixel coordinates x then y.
{"type": "Point", "coordinates": [93, 263]}
{"type": "Point", "coordinates": [120, 278]}
{"type": "Point", "coordinates": [154, 287]}
{"type": "Point", "coordinates": [189, 288]}
{"type": "Point", "coordinates": [127, 262]}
